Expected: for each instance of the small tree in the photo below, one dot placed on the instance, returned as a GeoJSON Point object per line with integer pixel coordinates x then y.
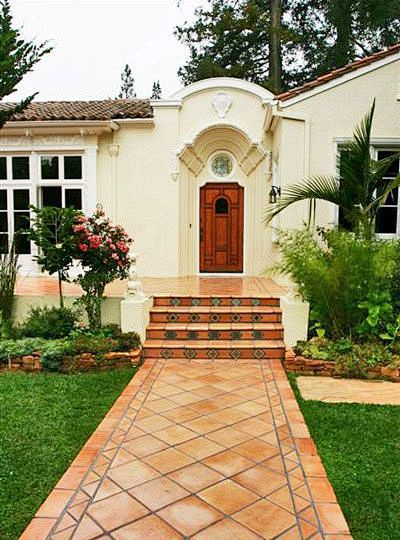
{"type": "Point", "coordinates": [17, 57]}
{"type": "Point", "coordinates": [156, 90]}
{"type": "Point", "coordinates": [127, 90]}
{"type": "Point", "coordinates": [102, 250]}
{"type": "Point", "coordinates": [8, 276]}
{"type": "Point", "coordinates": [52, 231]}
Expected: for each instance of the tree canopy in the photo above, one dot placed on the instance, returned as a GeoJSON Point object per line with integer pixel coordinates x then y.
{"type": "Point", "coordinates": [282, 43]}
{"type": "Point", "coordinates": [17, 58]}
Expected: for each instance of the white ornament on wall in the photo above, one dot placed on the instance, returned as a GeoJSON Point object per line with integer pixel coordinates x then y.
{"type": "Point", "coordinates": [221, 103]}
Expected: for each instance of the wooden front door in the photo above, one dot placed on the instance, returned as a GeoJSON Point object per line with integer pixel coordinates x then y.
{"type": "Point", "coordinates": [221, 227]}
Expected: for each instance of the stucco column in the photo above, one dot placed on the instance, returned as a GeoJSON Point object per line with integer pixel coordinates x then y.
{"type": "Point", "coordinates": [113, 150]}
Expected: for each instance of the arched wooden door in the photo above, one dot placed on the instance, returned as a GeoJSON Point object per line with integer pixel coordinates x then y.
{"type": "Point", "coordinates": [221, 227]}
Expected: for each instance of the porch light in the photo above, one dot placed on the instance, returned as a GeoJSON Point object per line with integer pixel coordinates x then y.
{"type": "Point", "coordinates": [274, 193]}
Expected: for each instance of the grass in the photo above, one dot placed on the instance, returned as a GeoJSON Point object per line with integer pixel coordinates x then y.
{"type": "Point", "coordinates": [44, 421]}
{"type": "Point", "coordinates": [360, 448]}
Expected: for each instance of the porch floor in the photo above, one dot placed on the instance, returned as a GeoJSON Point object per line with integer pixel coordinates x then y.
{"type": "Point", "coordinates": [183, 286]}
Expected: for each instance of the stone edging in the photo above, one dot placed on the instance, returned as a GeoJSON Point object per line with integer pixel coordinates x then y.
{"type": "Point", "coordinates": [80, 362]}
{"type": "Point", "coordinates": [325, 368]}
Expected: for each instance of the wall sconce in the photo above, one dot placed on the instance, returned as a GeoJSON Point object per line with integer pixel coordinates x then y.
{"type": "Point", "coordinates": [274, 193]}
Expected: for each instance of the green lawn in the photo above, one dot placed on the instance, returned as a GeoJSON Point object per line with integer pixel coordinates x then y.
{"type": "Point", "coordinates": [44, 421]}
{"type": "Point", "coordinates": [360, 448]}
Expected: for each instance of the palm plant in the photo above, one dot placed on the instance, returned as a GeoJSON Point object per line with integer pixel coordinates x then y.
{"type": "Point", "coordinates": [360, 188]}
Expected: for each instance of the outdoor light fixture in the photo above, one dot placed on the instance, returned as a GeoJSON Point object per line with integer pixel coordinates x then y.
{"type": "Point", "coordinates": [274, 193]}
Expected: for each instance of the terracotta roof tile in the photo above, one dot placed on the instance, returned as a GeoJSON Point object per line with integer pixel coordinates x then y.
{"type": "Point", "coordinates": [334, 74]}
{"type": "Point", "coordinates": [108, 109]}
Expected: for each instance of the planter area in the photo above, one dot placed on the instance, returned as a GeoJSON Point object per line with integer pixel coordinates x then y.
{"type": "Point", "coordinates": [324, 368]}
{"type": "Point", "coordinates": [79, 362]}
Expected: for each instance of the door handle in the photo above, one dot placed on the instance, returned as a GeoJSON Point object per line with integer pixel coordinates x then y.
{"type": "Point", "coordinates": [201, 234]}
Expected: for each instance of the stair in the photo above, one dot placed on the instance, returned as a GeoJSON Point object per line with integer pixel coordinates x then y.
{"type": "Point", "coordinates": [211, 327]}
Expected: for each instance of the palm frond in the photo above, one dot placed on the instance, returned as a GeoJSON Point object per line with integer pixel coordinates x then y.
{"type": "Point", "coordinates": [320, 187]}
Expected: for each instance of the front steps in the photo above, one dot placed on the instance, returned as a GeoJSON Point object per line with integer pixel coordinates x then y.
{"type": "Point", "coordinates": [211, 327]}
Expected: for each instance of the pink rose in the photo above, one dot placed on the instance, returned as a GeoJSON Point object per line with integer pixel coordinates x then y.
{"type": "Point", "coordinates": [95, 241]}
{"type": "Point", "coordinates": [83, 247]}
{"type": "Point", "coordinates": [115, 257]}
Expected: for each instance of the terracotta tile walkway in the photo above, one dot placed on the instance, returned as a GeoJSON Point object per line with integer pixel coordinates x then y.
{"type": "Point", "coordinates": [189, 286]}
{"type": "Point", "coordinates": [197, 449]}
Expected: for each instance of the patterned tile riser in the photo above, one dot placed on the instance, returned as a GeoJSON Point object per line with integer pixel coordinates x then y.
{"type": "Point", "coordinates": [184, 318]}
{"type": "Point", "coordinates": [222, 334]}
{"type": "Point", "coordinates": [214, 301]}
{"type": "Point", "coordinates": [222, 353]}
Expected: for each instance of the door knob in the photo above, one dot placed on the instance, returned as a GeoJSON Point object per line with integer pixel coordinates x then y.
{"type": "Point", "coordinates": [201, 234]}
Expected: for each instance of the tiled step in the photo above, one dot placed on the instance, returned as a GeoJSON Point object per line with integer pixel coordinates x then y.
{"type": "Point", "coordinates": [214, 350]}
{"type": "Point", "coordinates": [225, 331]}
{"type": "Point", "coordinates": [223, 300]}
{"type": "Point", "coordinates": [206, 314]}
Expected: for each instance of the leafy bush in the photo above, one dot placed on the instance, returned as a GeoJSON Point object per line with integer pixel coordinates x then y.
{"type": "Point", "coordinates": [128, 341]}
{"type": "Point", "coordinates": [53, 353]}
{"type": "Point", "coordinates": [352, 359]}
{"type": "Point", "coordinates": [11, 348]}
{"type": "Point", "coordinates": [337, 272]}
{"type": "Point", "coordinates": [50, 323]}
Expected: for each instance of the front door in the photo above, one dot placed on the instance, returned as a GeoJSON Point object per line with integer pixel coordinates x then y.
{"type": "Point", "coordinates": [221, 227]}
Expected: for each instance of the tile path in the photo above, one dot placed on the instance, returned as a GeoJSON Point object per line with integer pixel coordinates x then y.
{"type": "Point", "coordinates": [197, 449]}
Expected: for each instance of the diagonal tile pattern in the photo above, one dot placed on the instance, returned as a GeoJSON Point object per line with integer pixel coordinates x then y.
{"type": "Point", "coordinates": [219, 458]}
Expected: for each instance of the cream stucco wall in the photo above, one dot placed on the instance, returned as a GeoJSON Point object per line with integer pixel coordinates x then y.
{"type": "Point", "coordinates": [160, 209]}
{"type": "Point", "coordinates": [310, 129]}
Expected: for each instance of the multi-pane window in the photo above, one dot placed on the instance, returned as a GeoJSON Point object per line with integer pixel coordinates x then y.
{"type": "Point", "coordinates": [40, 180]}
{"type": "Point", "coordinates": [61, 179]}
{"type": "Point", "coordinates": [387, 221]}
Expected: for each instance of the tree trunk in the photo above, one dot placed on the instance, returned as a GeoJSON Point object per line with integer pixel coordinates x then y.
{"type": "Point", "coordinates": [342, 21]}
{"type": "Point", "coordinates": [275, 52]}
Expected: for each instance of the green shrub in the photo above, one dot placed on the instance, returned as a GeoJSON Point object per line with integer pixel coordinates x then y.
{"type": "Point", "coordinates": [128, 341]}
{"type": "Point", "coordinates": [50, 323]}
{"type": "Point", "coordinates": [8, 276]}
{"type": "Point", "coordinates": [337, 272]}
{"type": "Point", "coordinates": [53, 353]}
{"type": "Point", "coordinates": [11, 348]}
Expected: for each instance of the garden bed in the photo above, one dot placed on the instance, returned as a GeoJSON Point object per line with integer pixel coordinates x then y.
{"type": "Point", "coordinates": [81, 362]}
{"type": "Point", "coordinates": [344, 367]}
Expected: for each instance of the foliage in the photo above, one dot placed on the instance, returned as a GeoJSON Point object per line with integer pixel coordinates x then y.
{"type": "Point", "coordinates": [8, 276]}
{"type": "Point", "coordinates": [360, 190]}
{"type": "Point", "coordinates": [103, 252]}
{"type": "Point", "coordinates": [337, 272]}
{"type": "Point", "coordinates": [352, 359]}
{"type": "Point", "coordinates": [234, 38]}
{"type": "Point", "coordinates": [17, 58]}
{"type": "Point", "coordinates": [52, 231]}
{"type": "Point", "coordinates": [50, 323]}
{"type": "Point", "coordinates": [45, 419]}
{"type": "Point", "coordinates": [379, 314]}
{"type": "Point", "coordinates": [359, 447]}
{"type": "Point", "coordinates": [127, 90]}
{"type": "Point", "coordinates": [156, 92]}
{"type": "Point", "coordinates": [12, 348]}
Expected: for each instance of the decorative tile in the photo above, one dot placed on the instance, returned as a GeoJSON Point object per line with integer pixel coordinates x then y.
{"type": "Point", "coordinates": [212, 354]}
{"type": "Point", "coordinates": [215, 301]}
{"type": "Point", "coordinates": [196, 301]}
{"type": "Point", "coordinates": [236, 334]}
{"type": "Point", "coordinates": [235, 354]}
{"type": "Point", "coordinates": [258, 354]}
{"type": "Point", "coordinates": [214, 317]}
{"type": "Point", "coordinates": [170, 334]}
{"type": "Point", "coordinates": [175, 301]}
{"type": "Point", "coordinates": [172, 317]}
{"type": "Point", "coordinates": [236, 302]}
{"type": "Point", "coordinates": [166, 353]}
{"type": "Point", "coordinates": [257, 334]}
{"type": "Point", "coordinates": [236, 318]}
{"type": "Point", "coordinates": [192, 334]}
{"type": "Point", "coordinates": [214, 334]}
{"type": "Point", "coordinates": [190, 354]}
{"type": "Point", "coordinates": [256, 302]}
{"type": "Point", "coordinates": [194, 317]}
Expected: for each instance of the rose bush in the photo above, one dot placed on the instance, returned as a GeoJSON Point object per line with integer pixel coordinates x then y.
{"type": "Point", "coordinates": [103, 252]}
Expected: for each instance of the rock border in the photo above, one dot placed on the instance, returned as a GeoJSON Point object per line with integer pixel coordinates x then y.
{"type": "Point", "coordinates": [80, 362]}
{"type": "Point", "coordinates": [325, 368]}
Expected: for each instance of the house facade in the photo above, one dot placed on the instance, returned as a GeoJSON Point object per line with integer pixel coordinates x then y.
{"type": "Point", "coordinates": [189, 176]}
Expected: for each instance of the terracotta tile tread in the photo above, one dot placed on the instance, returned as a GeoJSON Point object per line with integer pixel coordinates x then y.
{"type": "Point", "coordinates": [215, 344]}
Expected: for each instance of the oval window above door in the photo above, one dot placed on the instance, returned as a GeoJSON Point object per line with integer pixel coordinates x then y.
{"type": "Point", "coordinates": [221, 206]}
{"type": "Point", "coordinates": [221, 165]}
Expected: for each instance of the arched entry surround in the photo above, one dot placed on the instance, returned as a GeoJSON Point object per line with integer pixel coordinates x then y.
{"type": "Point", "coordinates": [251, 170]}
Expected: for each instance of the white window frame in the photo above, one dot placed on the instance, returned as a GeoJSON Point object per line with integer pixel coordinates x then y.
{"type": "Point", "coordinates": [61, 181]}
{"type": "Point", "coordinates": [385, 148]}
{"type": "Point", "coordinates": [10, 185]}
{"type": "Point", "coordinates": [377, 145]}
